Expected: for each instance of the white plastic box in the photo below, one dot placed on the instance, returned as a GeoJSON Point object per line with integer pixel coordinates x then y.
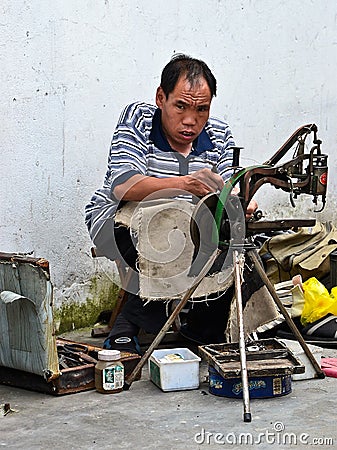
{"type": "Point", "coordinates": [176, 375]}
{"type": "Point", "coordinates": [298, 351]}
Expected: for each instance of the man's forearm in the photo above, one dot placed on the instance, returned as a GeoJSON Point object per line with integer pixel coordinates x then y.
{"type": "Point", "coordinates": [139, 186]}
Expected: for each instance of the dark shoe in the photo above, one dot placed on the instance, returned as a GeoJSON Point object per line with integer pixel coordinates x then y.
{"type": "Point", "coordinates": [325, 327]}
{"type": "Point", "coordinates": [123, 336]}
{"type": "Point", "coordinates": [123, 344]}
{"type": "Point", "coordinates": [323, 332]}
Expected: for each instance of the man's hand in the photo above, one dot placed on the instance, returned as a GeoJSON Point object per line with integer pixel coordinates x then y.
{"type": "Point", "coordinates": [251, 208]}
{"type": "Point", "coordinates": [203, 182]}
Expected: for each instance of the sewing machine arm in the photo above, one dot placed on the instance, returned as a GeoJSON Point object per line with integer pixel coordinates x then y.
{"type": "Point", "coordinates": [305, 173]}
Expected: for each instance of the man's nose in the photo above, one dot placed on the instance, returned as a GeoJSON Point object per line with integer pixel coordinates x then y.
{"type": "Point", "coordinates": [190, 118]}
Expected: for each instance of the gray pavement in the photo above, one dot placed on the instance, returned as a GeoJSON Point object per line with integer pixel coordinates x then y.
{"type": "Point", "coordinates": [147, 418]}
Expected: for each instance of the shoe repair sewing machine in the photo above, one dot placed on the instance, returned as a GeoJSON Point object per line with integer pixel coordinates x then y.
{"type": "Point", "coordinates": [225, 215]}
{"type": "Point", "coordinates": [305, 173]}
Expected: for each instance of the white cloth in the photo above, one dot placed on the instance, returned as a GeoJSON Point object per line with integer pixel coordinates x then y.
{"type": "Point", "coordinates": [165, 250]}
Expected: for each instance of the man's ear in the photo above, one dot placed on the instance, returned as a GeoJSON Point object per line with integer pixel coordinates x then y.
{"type": "Point", "coordinates": [160, 97]}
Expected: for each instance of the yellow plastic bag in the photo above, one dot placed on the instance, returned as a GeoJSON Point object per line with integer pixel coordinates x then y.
{"type": "Point", "coordinates": [317, 301]}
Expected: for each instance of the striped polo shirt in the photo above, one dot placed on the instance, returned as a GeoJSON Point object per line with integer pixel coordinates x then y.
{"type": "Point", "coordinates": [139, 146]}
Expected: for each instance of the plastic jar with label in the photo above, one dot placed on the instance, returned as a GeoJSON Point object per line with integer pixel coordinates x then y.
{"type": "Point", "coordinates": [109, 372]}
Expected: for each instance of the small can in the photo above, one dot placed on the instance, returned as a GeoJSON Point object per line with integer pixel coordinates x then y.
{"type": "Point", "coordinates": [109, 372]}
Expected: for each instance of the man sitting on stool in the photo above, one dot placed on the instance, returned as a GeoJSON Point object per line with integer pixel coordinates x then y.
{"type": "Point", "coordinates": [163, 151]}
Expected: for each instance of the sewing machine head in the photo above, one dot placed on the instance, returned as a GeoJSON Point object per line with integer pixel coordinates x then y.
{"type": "Point", "coordinates": [305, 173]}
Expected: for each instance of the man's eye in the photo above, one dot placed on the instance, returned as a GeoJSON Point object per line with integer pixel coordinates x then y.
{"type": "Point", "coordinates": [203, 108]}
{"type": "Point", "coordinates": [180, 106]}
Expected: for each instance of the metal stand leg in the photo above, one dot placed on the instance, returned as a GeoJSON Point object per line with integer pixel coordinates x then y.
{"type": "Point", "coordinates": [238, 266]}
{"type": "Point", "coordinates": [253, 256]}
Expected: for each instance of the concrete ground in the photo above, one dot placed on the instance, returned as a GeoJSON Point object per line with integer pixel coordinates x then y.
{"type": "Point", "coordinates": [147, 418]}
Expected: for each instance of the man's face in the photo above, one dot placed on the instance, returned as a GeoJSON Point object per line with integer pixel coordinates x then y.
{"type": "Point", "coordinates": [184, 113]}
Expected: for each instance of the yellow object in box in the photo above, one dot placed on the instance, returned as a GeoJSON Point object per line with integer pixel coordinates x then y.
{"type": "Point", "coordinates": [172, 357]}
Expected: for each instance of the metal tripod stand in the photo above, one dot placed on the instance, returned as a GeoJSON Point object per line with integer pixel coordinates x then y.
{"type": "Point", "coordinates": [238, 260]}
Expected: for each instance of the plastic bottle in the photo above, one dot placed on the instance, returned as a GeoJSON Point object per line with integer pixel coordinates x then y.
{"type": "Point", "coordinates": [109, 372]}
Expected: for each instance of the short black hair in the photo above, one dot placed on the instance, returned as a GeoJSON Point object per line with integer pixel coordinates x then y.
{"type": "Point", "coordinates": [192, 68]}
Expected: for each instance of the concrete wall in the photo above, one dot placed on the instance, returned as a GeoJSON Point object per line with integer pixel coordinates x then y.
{"type": "Point", "coordinates": [69, 67]}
